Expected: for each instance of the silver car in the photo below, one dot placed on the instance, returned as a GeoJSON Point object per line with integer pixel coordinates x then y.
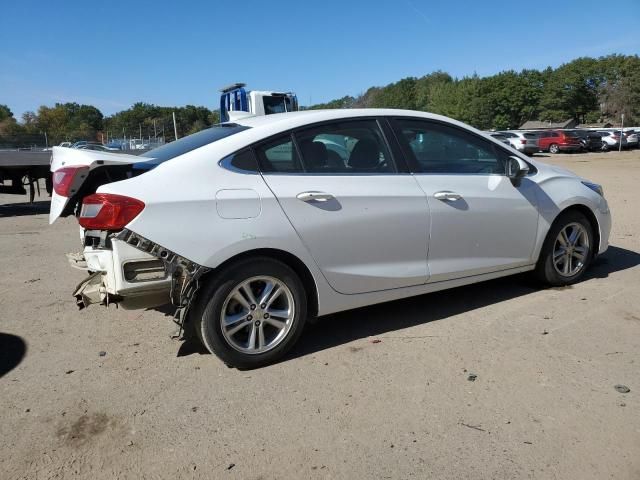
{"type": "Point", "coordinates": [250, 228]}
{"type": "Point", "coordinates": [525, 142]}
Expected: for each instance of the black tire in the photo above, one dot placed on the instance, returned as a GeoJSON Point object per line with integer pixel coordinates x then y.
{"type": "Point", "coordinates": [545, 270]}
{"type": "Point", "coordinates": [604, 147]}
{"type": "Point", "coordinates": [207, 316]}
{"type": "Point", "coordinates": [553, 148]}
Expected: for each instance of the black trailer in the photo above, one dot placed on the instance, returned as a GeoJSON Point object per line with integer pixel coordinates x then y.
{"type": "Point", "coordinates": [19, 169]}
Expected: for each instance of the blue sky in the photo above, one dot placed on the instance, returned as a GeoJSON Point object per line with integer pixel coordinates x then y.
{"type": "Point", "coordinates": [112, 54]}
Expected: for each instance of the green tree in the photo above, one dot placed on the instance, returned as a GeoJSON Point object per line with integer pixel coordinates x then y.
{"type": "Point", "coordinates": [5, 112]}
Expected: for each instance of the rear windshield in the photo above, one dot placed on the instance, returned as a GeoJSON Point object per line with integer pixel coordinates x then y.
{"type": "Point", "coordinates": [191, 142]}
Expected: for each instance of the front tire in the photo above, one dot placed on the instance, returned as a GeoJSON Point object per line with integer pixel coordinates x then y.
{"type": "Point", "coordinates": [553, 148]}
{"type": "Point", "coordinates": [567, 251]}
{"type": "Point", "coordinates": [252, 312]}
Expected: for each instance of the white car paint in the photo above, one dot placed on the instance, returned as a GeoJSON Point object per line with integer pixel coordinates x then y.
{"type": "Point", "coordinates": [390, 237]}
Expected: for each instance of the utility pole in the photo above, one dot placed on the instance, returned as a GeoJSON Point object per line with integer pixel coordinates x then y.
{"type": "Point", "coordinates": [621, 133]}
{"type": "Point", "coordinates": [175, 128]}
{"type": "Point", "coordinates": [155, 133]}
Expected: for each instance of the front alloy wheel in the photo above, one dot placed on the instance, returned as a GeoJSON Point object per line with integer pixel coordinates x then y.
{"type": "Point", "coordinates": [554, 148]}
{"type": "Point", "coordinates": [570, 250]}
{"type": "Point", "coordinates": [567, 250]}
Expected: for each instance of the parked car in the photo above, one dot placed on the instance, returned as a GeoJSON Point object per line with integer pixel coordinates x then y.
{"type": "Point", "coordinates": [249, 229]}
{"type": "Point", "coordinates": [556, 141]}
{"type": "Point", "coordinates": [500, 137]}
{"type": "Point", "coordinates": [97, 146]}
{"type": "Point", "coordinates": [589, 140]}
{"type": "Point", "coordinates": [631, 137]}
{"type": "Point", "coordinates": [526, 142]}
{"type": "Point", "coordinates": [611, 140]}
{"type": "Point", "coordinates": [116, 144]}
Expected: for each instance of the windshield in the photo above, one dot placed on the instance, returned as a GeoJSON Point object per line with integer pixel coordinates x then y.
{"type": "Point", "coordinates": [191, 142]}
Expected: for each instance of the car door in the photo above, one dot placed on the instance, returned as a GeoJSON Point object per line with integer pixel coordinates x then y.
{"type": "Point", "coordinates": [480, 221]}
{"type": "Point", "coordinates": [543, 141]}
{"type": "Point", "coordinates": [363, 218]}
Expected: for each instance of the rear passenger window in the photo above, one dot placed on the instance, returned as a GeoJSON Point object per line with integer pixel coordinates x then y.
{"type": "Point", "coordinates": [279, 156]}
{"type": "Point", "coordinates": [347, 147]}
{"type": "Point", "coordinates": [244, 161]}
{"type": "Point", "coordinates": [438, 148]}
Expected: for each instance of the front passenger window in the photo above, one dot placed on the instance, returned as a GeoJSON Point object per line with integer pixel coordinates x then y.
{"type": "Point", "coordinates": [438, 148]}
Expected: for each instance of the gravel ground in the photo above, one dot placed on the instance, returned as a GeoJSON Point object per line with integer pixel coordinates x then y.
{"type": "Point", "coordinates": [379, 392]}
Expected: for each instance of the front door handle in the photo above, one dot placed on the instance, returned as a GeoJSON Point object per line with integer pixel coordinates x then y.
{"type": "Point", "coordinates": [314, 197]}
{"type": "Point", "coordinates": [447, 196]}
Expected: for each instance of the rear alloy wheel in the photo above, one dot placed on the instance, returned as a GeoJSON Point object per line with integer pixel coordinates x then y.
{"type": "Point", "coordinates": [567, 251]}
{"type": "Point", "coordinates": [252, 313]}
{"type": "Point", "coordinates": [604, 147]}
{"type": "Point", "coordinates": [553, 148]}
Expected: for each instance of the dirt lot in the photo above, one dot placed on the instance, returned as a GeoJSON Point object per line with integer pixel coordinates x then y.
{"type": "Point", "coordinates": [107, 394]}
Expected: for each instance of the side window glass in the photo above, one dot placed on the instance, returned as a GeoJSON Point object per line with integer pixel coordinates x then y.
{"type": "Point", "coordinates": [279, 156]}
{"type": "Point", "coordinates": [244, 161]}
{"type": "Point", "coordinates": [349, 147]}
{"type": "Point", "coordinates": [441, 149]}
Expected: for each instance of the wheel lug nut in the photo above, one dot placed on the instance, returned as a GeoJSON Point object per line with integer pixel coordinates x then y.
{"type": "Point", "coordinates": [252, 307]}
{"type": "Point", "coordinates": [264, 305]}
{"type": "Point", "coordinates": [257, 323]}
{"type": "Point", "coordinates": [249, 318]}
{"type": "Point", "coordinates": [266, 315]}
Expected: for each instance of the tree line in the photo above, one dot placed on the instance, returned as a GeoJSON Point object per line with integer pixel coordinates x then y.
{"type": "Point", "coordinates": [72, 122]}
{"type": "Point", "coordinates": [590, 90]}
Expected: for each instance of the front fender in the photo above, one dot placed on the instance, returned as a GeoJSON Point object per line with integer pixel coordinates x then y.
{"type": "Point", "coordinates": [557, 194]}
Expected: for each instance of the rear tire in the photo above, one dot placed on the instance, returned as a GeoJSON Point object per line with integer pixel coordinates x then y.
{"type": "Point", "coordinates": [553, 148]}
{"type": "Point", "coordinates": [251, 313]}
{"type": "Point", "coordinates": [567, 251]}
{"type": "Point", "coordinates": [604, 147]}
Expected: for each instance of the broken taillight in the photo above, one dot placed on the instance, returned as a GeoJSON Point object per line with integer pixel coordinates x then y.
{"type": "Point", "coordinates": [64, 179]}
{"type": "Point", "coordinates": [107, 211]}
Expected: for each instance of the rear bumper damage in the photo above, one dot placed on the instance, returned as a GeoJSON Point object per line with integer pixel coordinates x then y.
{"type": "Point", "coordinates": [134, 272]}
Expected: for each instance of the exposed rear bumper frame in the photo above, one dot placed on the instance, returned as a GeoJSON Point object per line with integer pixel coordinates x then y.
{"type": "Point", "coordinates": [184, 273]}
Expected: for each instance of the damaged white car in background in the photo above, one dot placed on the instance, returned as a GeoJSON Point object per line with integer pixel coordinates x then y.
{"type": "Point", "coordinates": [249, 228]}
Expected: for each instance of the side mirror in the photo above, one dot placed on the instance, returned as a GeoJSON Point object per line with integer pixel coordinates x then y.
{"type": "Point", "coordinates": [517, 169]}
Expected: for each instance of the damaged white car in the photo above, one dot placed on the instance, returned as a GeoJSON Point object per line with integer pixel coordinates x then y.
{"type": "Point", "coordinates": [251, 227]}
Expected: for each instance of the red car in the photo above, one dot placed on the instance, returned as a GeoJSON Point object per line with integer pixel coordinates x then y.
{"type": "Point", "coordinates": [556, 141]}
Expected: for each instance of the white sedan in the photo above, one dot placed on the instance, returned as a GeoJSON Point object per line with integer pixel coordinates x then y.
{"type": "Point", "coordinates": [250, 228]}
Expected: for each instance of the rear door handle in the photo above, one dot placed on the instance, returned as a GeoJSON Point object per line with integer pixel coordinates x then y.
{"type": "Point", "coordinates": [447, 196]}
{"type": "Point", "coordinates": [314, 197]}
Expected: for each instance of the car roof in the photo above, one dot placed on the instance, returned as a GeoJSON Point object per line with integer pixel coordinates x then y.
{"type": "Point", "coordinates": [285, 121]}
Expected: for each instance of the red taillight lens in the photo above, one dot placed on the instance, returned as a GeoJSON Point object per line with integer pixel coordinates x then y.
{"type": "Point", "coordinates": [67, 180]}
{"type": "Point", "coordinates": [523, 141]}
{"type": "Point", "coordinates": [106, 211]}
